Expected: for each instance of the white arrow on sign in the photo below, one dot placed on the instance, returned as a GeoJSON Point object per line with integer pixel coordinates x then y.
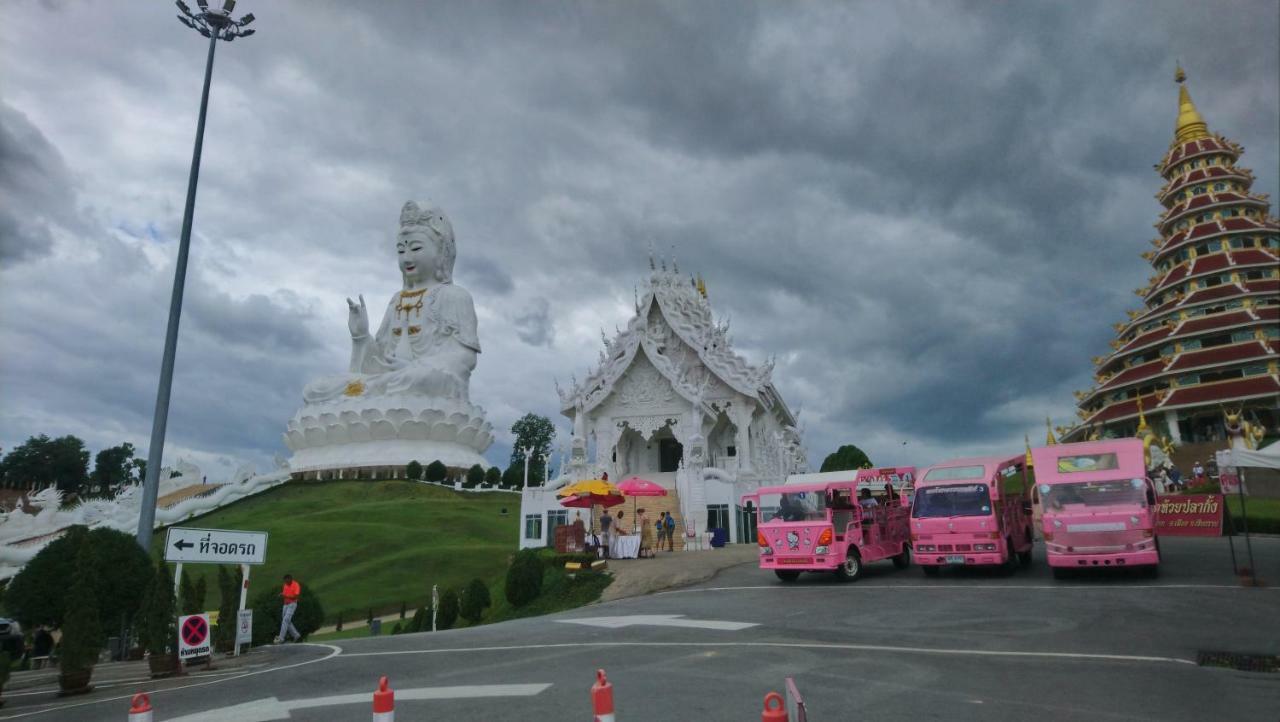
{"type": "Point", "coordinates": [657, 620]}
{"type": "Point", "coordinates": [270, 708]}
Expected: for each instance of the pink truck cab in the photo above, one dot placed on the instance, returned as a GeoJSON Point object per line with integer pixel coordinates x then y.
{"type": "Point", "coordinates": [973, 512]}
{"type": "Point", "coordinates": [1099, 507]}
{"type": "Point", "coordinates": [835, 526]}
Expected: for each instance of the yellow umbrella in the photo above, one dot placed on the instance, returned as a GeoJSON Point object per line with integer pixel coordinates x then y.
{"type": "Point", "coordinates": [597, 487]}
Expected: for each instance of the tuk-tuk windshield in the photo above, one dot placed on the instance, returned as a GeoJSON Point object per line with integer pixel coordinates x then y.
{"type": "Point", "coordinates": [952, 500]}
{"type": "Point", "coordinates": [794, 506]}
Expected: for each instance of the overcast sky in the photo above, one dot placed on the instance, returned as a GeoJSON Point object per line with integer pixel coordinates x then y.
{"type": "Point", "coordinates": [931, 213]}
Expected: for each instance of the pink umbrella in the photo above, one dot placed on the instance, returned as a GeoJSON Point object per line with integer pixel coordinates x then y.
{"type": "Point", "coordinates": [635, 486]}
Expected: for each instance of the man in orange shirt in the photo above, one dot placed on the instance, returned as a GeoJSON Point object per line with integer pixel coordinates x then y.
{"type": "Point", "coordinates": [290, 593]}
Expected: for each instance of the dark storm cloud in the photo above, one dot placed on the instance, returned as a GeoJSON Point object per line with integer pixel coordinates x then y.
{"type": "Point", "coordinates": [34, 183]}
{"type": "Point", "coordinates": [536, 327]}
{"type": "Point", "coordinates": [930, 213]}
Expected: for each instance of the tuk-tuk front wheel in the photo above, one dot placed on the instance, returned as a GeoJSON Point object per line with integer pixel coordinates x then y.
{"type": "Point", "coordinates": [787, 575]}
{"type": "Point", "coordinates": [851, 569]}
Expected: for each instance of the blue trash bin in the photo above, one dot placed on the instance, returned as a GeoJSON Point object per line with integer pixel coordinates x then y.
{"type": "Point", "coordinates": [719, 537]}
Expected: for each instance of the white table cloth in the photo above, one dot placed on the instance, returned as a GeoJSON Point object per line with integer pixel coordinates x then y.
{"type": "Point", "coordinates": [625, 547]}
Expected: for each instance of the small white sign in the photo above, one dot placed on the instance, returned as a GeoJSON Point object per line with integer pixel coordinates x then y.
{"type": "Point", "coordinates": [193, 636]}
{"type": "Point", "coordinates": [244, 627]}
{"type": "Point", "coordinates": [215, 546]}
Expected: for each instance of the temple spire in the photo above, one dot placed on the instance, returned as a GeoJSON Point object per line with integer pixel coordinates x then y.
{"type": "Point", "coordinates": [1190, 125]}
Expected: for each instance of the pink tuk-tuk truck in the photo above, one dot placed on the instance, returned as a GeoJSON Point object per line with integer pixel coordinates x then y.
{"type": "Point", "coordinates": [973, 512]}
{"type": "Point", "coordinates": [1098, 506]}
{"type": "Point", "coordinates": [834, 526]}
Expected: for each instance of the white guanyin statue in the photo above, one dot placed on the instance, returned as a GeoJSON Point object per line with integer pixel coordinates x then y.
{"type": "Point", "coordinates": [405, 396]}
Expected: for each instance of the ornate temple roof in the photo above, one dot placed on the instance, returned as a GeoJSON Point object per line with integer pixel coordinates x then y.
{"type": "Point", "coordinates": [681, 302]}
{"type": "Point", "coordinates": [1216, 282]}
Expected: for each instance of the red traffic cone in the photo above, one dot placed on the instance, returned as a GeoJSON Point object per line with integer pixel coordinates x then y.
{"type": "Point", "coordinates": [140, 708]}
{"type": "Point", "coordinates": [384, 703]}
{"type": "Point", "coordinates": [775, 712]}
{"type": "Point", "coordinates": [602, 698]}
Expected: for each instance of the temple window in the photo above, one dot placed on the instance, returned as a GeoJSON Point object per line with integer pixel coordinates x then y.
{"type": "Point", "coordinates": [1198, 190]}
{"type": "Point", "coordinates": [1239, 242]}
{"type": "Point", "coordinates": [1219, 186]}
{"type": "Point", "coordinates": [1258, 370]}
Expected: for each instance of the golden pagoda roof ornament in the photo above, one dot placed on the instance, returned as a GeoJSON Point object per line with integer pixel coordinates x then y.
{"type": "Point", "coordinates": [1048, 425]}
{"type": "Point", "coordinates": [1029, 461]}
{"type": "Point", "coordinates": [1190, 125]}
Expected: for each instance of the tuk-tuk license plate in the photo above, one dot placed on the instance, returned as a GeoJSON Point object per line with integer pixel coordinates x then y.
{"type": "Point", "coordinates": [955, 559]}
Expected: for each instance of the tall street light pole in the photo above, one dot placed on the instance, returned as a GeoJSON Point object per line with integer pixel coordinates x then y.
{"type": "Point", "coordinates": [215, 24]}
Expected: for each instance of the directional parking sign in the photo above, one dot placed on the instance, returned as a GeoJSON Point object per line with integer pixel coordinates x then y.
{"type": "Point", "coordinates": [215, 546]}
{"type": "Point", "coordinates": [193, 636]}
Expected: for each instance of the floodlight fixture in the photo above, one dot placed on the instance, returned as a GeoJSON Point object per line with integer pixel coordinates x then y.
{"type": "Point", "coordinates": [214, 22]}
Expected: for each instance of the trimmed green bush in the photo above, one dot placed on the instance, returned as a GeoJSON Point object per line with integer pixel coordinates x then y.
{"type": "Point", "coordinates": [36, 594]}
{"type": "Point", "coordinates": [421, 621]}
{"type": "Point", "coordinates": [447, 614]}
{"type": "Point", "coordinates": [82, 631]}
{"type": "Point", "coordinates": [524, 578]}
{"type": "Point", "coordinates": [267, 608]}
{"type": "Point", "coordinates": [229, 583]}
{"type": "Point", "coordinates": [493, 476]}
{"type": "Point", "coordinates": [158, 630]}
{"type": "Point", "coordinates": [475, 476]}
{"type": "Point", "coordinates": [413, 470]}
{"type": "Point", "coordinates": [436, 471]}
{"type": "Point", "coordinates": [475, 600]}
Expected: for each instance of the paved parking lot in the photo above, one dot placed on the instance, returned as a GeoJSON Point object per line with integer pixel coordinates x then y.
{"type": "Point", "coordinates": [894, 645]}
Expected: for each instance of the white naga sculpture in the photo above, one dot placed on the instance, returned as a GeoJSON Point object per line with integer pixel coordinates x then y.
{"type": "Point", "coordinates": [405, 396]}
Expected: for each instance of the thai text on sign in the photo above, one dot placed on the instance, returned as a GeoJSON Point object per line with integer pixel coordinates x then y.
{"type": "Point", "coordinates": [1189, 515]}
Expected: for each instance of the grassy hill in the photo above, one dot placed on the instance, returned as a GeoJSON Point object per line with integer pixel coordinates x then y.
{"type": "Point", "coordinates": [371, 545]}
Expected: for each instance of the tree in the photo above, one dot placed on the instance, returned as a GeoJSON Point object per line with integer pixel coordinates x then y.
{"type": "Point", "coordinates": [69, 464]}
{"type": "Point", "coordinates": [82, 630]}
{"type": "Point", "coordinates": [475, 600]}
{"type": "Point", "coordinates": [524, 578]}
{"type": "Point", "coordinates": [448, 612]}
{"type": "Point", "coordinates": [36, 594]}
{"type": "Point", "coordinates": [229, 584]}
{"type": "Point", "coordinates": [513, 477]}
{"type": "Point", "coordinates": [41, 461]}
{"type": "Point", "coordinates": [413, 470]}
{"type": "Point", "coordinates": [187, 595]}
{"type": "Point", "coordinates": [493, 476]}
{"type": "Point", "coordinates": [847, 457]}
{"type": "Point", "coordinates": [436, 471]}
{"type": "Point", "coordinates": [113, 468]}
{"type": "Point", "coordinates": [158, 629]}
{"type": "Point", "coordinates": [475, 476]}
{"type": "Point", "coordinates": [536, 433]}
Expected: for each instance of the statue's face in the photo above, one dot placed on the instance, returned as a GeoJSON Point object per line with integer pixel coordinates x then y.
{"type": "Point", "coordinates": [417, 254]}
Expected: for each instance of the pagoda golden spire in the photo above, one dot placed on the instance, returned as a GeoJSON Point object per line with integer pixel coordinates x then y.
{"type": "Point", "coordinates": [1190, 125]}
{"type": "Point", "coordinates": [1026, 440]}
{"type": "Point", "coordinates": [1048, 437]}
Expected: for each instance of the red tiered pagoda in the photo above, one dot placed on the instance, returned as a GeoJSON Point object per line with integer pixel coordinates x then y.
{"type": "Point", "coordinates": [1209, 334]}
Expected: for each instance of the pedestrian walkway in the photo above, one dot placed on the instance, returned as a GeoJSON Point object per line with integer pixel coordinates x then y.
{"type": "Point", "coordinates": [636, 577]}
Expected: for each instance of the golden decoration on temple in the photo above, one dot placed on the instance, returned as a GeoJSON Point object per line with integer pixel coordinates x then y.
{"type": "Point", "coordinates": [1190, 125]}
{"type": "Point", "coordinates": [355, 388]}
{"type": "Point", "coordinates": [1048, 432]}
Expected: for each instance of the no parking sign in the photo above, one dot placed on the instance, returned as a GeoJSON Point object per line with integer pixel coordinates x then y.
{"type": "Point", "coordinates": [193, 636]}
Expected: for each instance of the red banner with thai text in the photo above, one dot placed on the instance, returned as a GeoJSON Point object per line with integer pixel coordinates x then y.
{"type": "Point", "coordinates": [1189, 515]}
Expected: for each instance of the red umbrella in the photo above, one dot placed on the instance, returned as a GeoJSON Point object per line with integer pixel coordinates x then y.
{"type": "Point", "coordinates": [635, 486]}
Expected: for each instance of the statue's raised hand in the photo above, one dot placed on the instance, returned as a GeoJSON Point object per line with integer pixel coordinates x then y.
{"type": "Point", "coordinates": [358, 318]}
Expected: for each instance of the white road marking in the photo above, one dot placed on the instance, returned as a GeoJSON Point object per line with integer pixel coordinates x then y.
{"type": "Point", "coordinates": [950, 587]}
{"type": "Point", "coordinates": [333, 652]}
{"type": "Point", "coordinates": [270, 708]}
{"type": "Point", "coordinates": [657, 620]}
{"type": "Point", "coordinates": [114, 683]}
{"type": "Point", "coordinates": [799, 645]}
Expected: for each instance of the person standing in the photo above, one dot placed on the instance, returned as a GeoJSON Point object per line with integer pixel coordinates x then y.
{"type": "Point", "coordinates": [289, 592]}
{"type": "Point", "coordinates": [646, 535]}
{"type": "Point", "coordinates": [661, 528]}
{"type": "Point", "coordinates": [1198, 472]}
{"type": "Point", "coordinates": [606, 532]}
{"type": "Point", "coordinates": [670, 524]}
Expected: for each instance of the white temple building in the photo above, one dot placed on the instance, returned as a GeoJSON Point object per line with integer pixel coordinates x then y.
{"type": "Point", "coordinates": [670, 401]}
